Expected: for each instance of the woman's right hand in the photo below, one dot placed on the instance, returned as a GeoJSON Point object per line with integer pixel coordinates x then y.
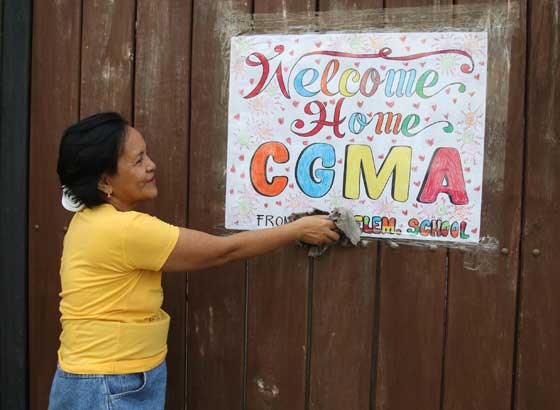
{"type": "Point", "coordinates": [316, 230]}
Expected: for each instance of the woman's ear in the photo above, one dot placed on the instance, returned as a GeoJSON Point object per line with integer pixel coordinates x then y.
{"type": "Point", "coordinates": [104, 186]}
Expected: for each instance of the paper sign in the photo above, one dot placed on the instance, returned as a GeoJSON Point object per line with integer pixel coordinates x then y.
{"type": "Point", "coordinates": [390, 125]}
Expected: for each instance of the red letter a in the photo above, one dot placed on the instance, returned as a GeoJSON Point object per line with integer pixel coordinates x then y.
{"type": "Point", "coordinates": [445, 174]}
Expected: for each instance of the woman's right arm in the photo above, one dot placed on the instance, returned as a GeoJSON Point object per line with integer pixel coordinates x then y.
{"type": "Point", "coordinates": [198, 250]}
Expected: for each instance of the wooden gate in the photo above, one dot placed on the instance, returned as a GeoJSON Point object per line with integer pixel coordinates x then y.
{"type": "Point", "coordinates": [383, 328]}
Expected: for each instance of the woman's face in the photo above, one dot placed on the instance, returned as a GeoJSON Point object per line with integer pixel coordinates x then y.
{"type": "Point", "coordinates": [135, 180]}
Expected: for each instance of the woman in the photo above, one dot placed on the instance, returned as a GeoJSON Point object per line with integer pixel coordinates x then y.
{"type": "Point", "coordinates": [114, 332]}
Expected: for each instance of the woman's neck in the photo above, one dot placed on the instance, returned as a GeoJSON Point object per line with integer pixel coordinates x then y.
{"type": "Point", "coordinates": [120, 205]}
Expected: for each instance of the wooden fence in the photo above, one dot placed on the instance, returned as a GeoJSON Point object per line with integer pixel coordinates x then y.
{"type": "Point", "coordinates": [382, 328]}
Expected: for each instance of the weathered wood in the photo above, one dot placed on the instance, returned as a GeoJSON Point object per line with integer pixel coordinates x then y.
{"type": "Point", "coordinates": [107, 57]}
{"type": "Point", "coordinates": [411, 328]}
{"type": "Point", "coordinates": [538, 356]}
{"type": "Point", "coordinates": [482, 303]}
{"type": "Point", "coordinates": [415, 3]}
{"type": "Point", "coordinates": [350, 4]}
{"type": "Point", "coordinates": [161, 114]}
{"type": "Point", "coordinates": [342, 319]}
{"type": "Point", "coordinates": [277, 307]}
{"type": "Point", "coordinates": [291, 336]}
{"type": "Point", "coordinates": [216, 320]}
{"type": "Point", "coordinates": [342, 329]}
{"type": "Point", "coordinates": [277, 330]}
{"type": "Point", "coordinates": [412, 317]}
{"type": "Point", "coordinates": [55, 81]}
{"type": "Point", "coordinates": [289, 6]}
{"type": "Point", "coordinates": [216, 313]}
{"type": "Point", "coordinates": [15, 23]}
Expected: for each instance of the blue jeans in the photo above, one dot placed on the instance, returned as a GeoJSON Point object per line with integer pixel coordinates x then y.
{"type": "Point", "coordinates": [138, 391]}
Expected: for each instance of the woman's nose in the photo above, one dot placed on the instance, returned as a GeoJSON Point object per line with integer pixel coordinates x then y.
{"type": "Point", "coordinates": [151, 165]}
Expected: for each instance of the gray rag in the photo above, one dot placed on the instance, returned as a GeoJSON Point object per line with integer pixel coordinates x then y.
{"type": "Point", "coordinates": [347, 227]}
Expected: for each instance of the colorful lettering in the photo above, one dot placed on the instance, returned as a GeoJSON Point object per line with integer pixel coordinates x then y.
{"type": "Point", "coordinates": [321, 121]}
{"type": "Point", "coordinates": [359, 161]}
{"type": "Point", "coordinates": [316, 183]}
{"type": "Point", "coordinates": [445, 175]}
{"type": "Point", "coordinates": [279, 153]}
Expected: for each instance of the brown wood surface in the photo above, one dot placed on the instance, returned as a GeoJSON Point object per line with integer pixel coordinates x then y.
{"type": "Point", "coordinates": [216, 312]}
{"type": "Point", "coordinates": [396, 330]}
{"type": "Point", "coordinates": [161, 114]}
{"type": "Point", "coordinates": [342, 319]}
{"type": "Point", "coordinates": [277, 307]}
{"type": "Point", "coordinates": [411, 328]}
{"type": "Point", "coordinates": [55, 81]}
{"type": "Point", "coordinates": [107, 57]}
{"type": "Point", "coordinates": [412, 310]}
{"type": "Point", "coordinates": [482, 303]}
{"type": "Point", "coordinates": [277, 330]}
{"type": "Point", "coordinates": [538, 357]}
{"type": "Point", "coordinates": [343, 329]}
{"type": "Point", "coordinates": [350, 4]}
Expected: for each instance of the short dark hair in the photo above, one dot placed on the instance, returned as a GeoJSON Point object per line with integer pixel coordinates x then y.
{"type": "Point", "coordinates": [88, 149]}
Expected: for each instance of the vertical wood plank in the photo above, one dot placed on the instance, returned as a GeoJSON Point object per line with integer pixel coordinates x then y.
{"type": "Point", "coordinates": [277, 330]}
{"type": "Point", "coordinates": [412, 317]}
{"type": "Point", "coordinates": [107, 57]}
{"type": "Point", "coordinates": [342, 320]}
{"type": "Point", "coordinates": [411, 328]}
{"type": "Point", "coordinates": [342, 329]}
{"type": "Point", "coordinates": [278, 307]}
{"type": "Point", "coordinates": [538, 378]}
{"type": "Point", "coordinates": [55, 84]}
{"type": "Point", "coordinates": [277, 316]}
{"type": "Point", "coordinates": [15, 51]}
{"type": "Point", "coordinates": [216, 314]}
{"type": "Point", "coordinates": [161, 114]}
{"type": "Point", "coordinates": [482, 304]}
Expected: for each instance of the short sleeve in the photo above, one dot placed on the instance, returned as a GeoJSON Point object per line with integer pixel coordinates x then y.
{"type": "Point", "coordinates": [148, 242]}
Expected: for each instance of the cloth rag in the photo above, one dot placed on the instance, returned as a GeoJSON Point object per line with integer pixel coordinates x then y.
{"type": "Point", "coordinates": [346, 225]}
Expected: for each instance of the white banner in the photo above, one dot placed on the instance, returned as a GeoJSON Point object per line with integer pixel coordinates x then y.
{"type": "Point", "coordinates": [390, 125]}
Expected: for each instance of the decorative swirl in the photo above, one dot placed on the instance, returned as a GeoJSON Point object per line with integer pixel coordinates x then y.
{"type": "Point", "coordinates": [448, 129]}
{"type": "Point", "coordinates": [385, 53]}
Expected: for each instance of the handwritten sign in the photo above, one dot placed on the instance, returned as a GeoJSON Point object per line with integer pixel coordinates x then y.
{"type": "Point", "coordinates": [390, 125]}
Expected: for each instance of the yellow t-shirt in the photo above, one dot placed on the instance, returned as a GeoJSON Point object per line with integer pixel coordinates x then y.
{"type": "Point", "coordinates": [112, 321]}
